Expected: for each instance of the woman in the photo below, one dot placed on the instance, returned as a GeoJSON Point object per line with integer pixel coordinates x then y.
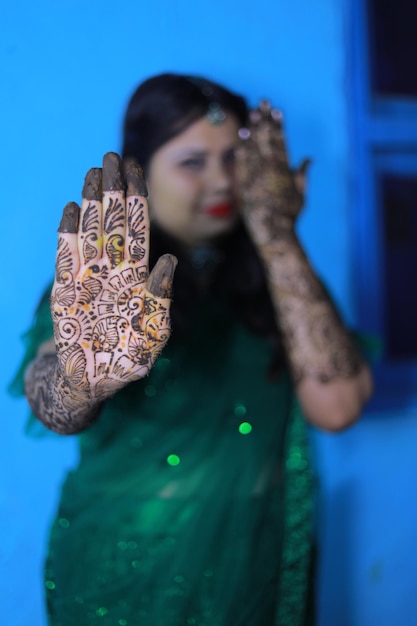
{"type": "Point", "coordinates": [192, 500]}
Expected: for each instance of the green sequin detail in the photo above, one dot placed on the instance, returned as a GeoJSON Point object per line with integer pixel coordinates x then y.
{"type": "Point", "coordinates": [245, 428]}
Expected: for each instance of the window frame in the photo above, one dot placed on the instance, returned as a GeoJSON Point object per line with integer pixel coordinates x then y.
{"type": "Point", "coordinates": [383, 127]}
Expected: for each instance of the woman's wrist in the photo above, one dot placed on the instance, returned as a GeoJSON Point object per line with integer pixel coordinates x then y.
{"type": "Point", "coordinates": [62, 409]}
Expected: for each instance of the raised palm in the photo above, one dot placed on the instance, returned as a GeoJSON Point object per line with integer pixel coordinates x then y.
{"type": "Point", "coordinates": [111, 319]}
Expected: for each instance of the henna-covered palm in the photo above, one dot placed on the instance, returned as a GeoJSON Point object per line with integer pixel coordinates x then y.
{"type": "Point", "coordinates": [272, 194]}
{"type": "Point", "coordinates": [111, 319]}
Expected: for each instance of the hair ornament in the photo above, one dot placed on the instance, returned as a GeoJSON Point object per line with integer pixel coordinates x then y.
{"type": "Point", "coordinates": [215, 114]}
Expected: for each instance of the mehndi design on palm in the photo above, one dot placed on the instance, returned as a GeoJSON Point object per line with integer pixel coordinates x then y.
{"type": "Point", "coordinates": [272, 193]}
{"type": "Point", "coordinates": [111, 319]}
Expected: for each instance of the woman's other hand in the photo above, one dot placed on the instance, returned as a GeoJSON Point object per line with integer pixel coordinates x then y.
{"type": "Point", "coordinates": [330, 376]}
{"type": "Point", "coordinates": [272, 194]}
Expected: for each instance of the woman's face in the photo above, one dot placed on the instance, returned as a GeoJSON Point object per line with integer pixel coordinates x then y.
{"type": "Point", "coordinates": [191, 182]}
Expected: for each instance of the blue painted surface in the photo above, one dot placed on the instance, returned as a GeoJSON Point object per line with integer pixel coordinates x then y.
{"type": "Point", "coordinates": [68, 70]}
{"type": "Point", "coordinates": [368, 521]}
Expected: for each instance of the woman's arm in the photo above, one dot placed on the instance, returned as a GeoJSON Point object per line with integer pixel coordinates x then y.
{"type": "Point", "coordinates": [111, 319]}
{"type": "Point", "coordinates": [333, 382]}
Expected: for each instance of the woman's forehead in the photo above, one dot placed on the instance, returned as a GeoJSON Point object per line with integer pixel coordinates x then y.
{"type": "Point", "coordinates": [203, 135]}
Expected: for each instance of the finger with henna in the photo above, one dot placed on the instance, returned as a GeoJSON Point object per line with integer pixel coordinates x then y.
{"type": "Point", "coordinates": [114, 209]}
{"type": "Point", "coordinates": [90, 239]}
{"type": "Point", "coordinates": [137, 215]}
{"type": "Point", "coordinates": [67, 239]}
{"type": "Point", "coordinates": [161, 278]}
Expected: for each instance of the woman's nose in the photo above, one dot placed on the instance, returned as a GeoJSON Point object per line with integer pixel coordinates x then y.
{"type": "Point", "coordinates": [220, 176]}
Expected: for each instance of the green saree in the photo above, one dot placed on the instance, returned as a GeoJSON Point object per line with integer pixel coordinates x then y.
{"type": "Point", "coordinates": [192, 500]}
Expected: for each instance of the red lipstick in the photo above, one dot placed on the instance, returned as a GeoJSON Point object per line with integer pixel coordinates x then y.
{"type": "Point", "coordinates": [221, 210]}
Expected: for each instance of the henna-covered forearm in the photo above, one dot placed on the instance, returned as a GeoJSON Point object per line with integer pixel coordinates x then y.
{"type": "Point", "coordinates": [317, 343]}
{"type": "Point", "coordinates": [54, 403]}
{"type": "Point", "coordinates": [333, 382]}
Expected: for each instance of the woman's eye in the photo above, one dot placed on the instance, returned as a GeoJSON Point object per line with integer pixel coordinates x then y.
{"type": "Point", "coordinates": [229, 157]}
{"type": "Point", "coordinates": [193, 163]}
{"type": "Point", "coordinates": [229, 160]}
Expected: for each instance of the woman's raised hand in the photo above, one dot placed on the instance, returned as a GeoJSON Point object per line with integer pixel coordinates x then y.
{"type": "Point", "coordinates": [272, 194]}
{"type": "Point", "coordinates": [111, 318]}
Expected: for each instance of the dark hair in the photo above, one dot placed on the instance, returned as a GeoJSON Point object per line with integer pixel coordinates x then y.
{"type": "Point", "coordinates": [161, 108]}
{"type": "Point", "coordinates": [165, 105]}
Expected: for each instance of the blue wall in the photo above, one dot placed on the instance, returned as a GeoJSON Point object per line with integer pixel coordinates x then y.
{"type": "Point", "coordinates": [68, 69]}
